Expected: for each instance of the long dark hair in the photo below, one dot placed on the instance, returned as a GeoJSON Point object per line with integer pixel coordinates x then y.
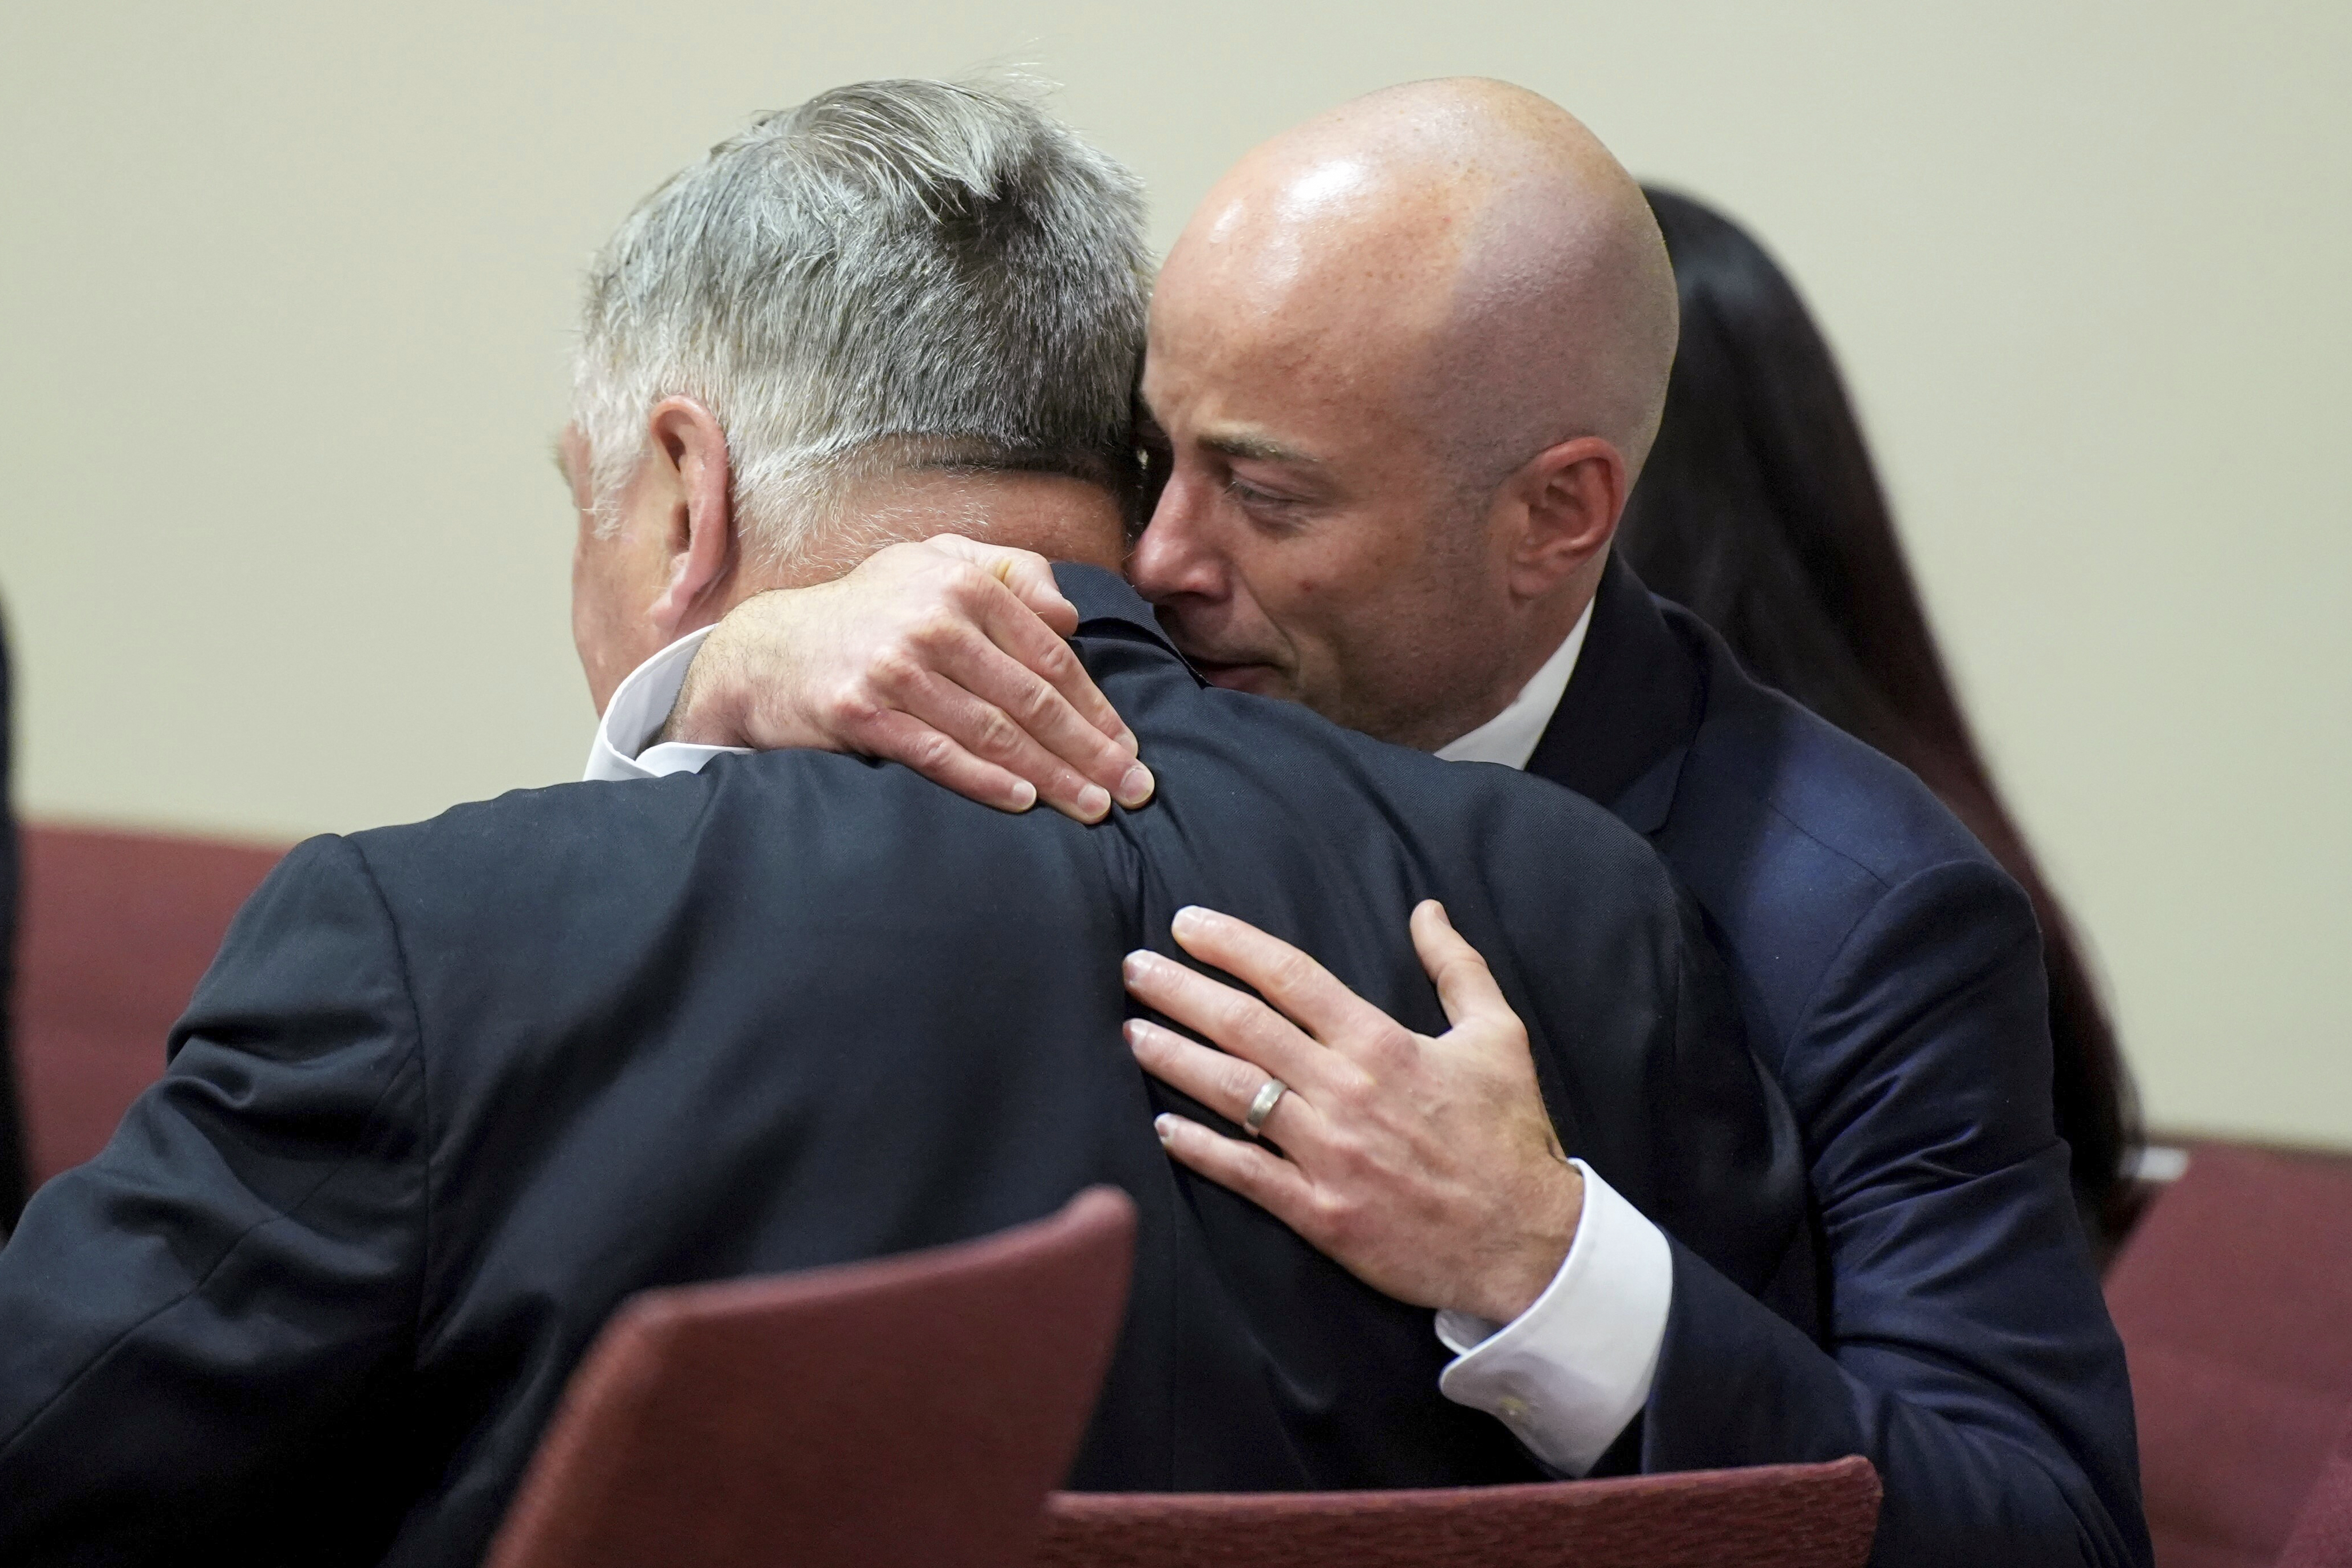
{"type": "Point", "coordinates": [1760, 509]}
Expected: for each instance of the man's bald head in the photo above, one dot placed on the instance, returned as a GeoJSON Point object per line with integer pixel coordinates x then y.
{"type": "Point", "coordinates": [1408, 358]}
{"type": "Point", "coordinates": [1471, 240]}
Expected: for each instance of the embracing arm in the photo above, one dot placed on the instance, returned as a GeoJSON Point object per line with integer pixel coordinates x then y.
{"type": "Point", "coordinates": [1427, 1168]}
{"type": "Point", "coordinates": [947, 655]}
{"type": "Point", "coordinates": [1969, 1353]}
{"type": "Point", "coordinates": [201, 1329]}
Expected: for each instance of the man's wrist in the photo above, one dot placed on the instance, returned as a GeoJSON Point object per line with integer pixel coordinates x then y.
{"type": "Point", "coordinates": [709, 711]}
{"type": "Point", "coordinates": [1510, 1288]}
{"type": "Point", "coordinates": [719, 699]}
{"type": "Point", "coordinates": [1569, 1374]}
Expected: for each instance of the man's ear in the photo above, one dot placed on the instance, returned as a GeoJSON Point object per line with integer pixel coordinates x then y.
{"type": "Point", "coordinates": [690, 465]}
{"type": "Point", "coordinates": [1566, 501]}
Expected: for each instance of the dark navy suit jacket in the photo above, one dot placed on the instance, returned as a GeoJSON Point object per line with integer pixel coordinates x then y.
{"type": "Point", "coordinates": [1890, 977]}
{"type": "Point", "coordinates": [451, 1092]}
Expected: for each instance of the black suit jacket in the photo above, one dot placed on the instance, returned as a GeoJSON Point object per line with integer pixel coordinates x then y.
{"type": "Point", "coordinates": [1891, 976]}
{"type": "Point", "coordinates": [451, 1092]}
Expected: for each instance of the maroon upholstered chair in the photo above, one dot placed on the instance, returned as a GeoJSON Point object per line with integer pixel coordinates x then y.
{"type": "Point", "coordinates": [2234, 1299]}
{"type": "Point", "coordinates": [1775, 1516]}
{"type": "Point", "coordinates": [910, 1411]}
{"type": "Point", "coordinates": [2323, 1535]}
{"type": "Point", "coordinates": [117, 930]}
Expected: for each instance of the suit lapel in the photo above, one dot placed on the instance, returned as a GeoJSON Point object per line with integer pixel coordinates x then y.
{"type": "Point", "coordinates": [1625, 723]}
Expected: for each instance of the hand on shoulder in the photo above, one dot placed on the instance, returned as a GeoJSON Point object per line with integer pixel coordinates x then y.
{"type": "Point", "coordinates": [1425, 1166]}
{"type": "Point", "coordinates": [947, 655]}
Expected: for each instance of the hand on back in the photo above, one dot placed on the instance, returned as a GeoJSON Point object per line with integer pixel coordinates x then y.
{"type": "Point", "coordinates": [946, 655]}
{"type": "Point", "coordinates": [1425, 1166]}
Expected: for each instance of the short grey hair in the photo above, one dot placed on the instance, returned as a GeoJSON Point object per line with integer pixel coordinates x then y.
{"type": "Point", "coordinates": [893, 272]}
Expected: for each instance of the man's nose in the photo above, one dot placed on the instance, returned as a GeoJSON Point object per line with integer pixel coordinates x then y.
{"type": "Point", "coordinates": [1174, 557]}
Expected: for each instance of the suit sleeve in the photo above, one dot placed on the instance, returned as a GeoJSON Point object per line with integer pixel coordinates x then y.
{"type": "Point", "coordinates": [198, 1329]}
{"type": "Point", "coordinates": [1967, 1350]}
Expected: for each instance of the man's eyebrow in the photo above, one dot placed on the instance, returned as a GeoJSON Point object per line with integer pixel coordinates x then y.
{"type": "Point", "coordinates": [555, 450]}
{"type": "Point", "coordinates": [1257, 449]}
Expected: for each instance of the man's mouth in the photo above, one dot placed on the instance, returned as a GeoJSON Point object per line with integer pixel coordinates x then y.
{"type": "Point", "coordinates": [1238, 674]}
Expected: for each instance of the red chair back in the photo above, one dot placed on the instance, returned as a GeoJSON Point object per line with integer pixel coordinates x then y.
{"type": "Point", "coordinates": [1774, 1516]}
{"type": "Point", "coordinates": [2323, 1535]}
{"type": "Point", "coordinates": [2234, 1301]}
{"type": "Point", "coordinates": [117, 929]}
{"type": "Point", "coordinates": [906, 1413]}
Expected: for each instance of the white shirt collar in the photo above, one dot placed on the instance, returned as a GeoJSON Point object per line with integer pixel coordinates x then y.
{"type": "Point", "coordinates": [641, 705]}
{"type": "Point", "coordinates": [1509, 737]}
{"type": "Point", "coordinates": [639, 708]}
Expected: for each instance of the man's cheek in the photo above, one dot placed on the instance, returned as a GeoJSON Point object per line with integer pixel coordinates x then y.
{"type": "Point", "coordinates": [1317, 678]}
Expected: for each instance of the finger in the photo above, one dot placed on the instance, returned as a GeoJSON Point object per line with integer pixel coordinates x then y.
{"type": "Point", "coordinates": [1011, 623]}
{"type": "Point", "coordinates": [1291, 980]}
{"type": "Point", "coordinates": [1028, 574]}
{"type": "Point", "coordinates": [1014, 688]}
{"type": "Point", "coordinates": [1226, 1085]}
{"type": "Point", "coordinates": [1465, 987]}
{"type": "Point", "coordinates": [989, 733]}
{"type": "Point", "coordinates": [1254, 1171]}
{"type": "Point", "coordinates": [898, 738]}
{"type": "Point", "coordinates": [1239, 1023]}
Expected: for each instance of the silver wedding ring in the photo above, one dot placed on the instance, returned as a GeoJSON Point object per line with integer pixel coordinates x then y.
{"type": "Point", "coordinates": [1263, 1106]}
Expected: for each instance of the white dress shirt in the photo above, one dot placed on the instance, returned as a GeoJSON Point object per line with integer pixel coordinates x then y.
{"type": "Point", "coordinates": [639, 708]}
{"type": "Point", "coordinates": [1509, 737]}
{"type": "Point", "coordinates": [1567, 1374]}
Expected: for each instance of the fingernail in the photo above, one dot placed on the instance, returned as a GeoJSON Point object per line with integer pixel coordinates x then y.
{"type": "Point", "coordinates": [1137, 964]}
{"type": "Point", "coordinates": [1191, 920]}
{"type": "Point", "coordinates": [1024, 794]}
{"type": "Point", "coordinates": [1166, 1126]}
{"type": "Point", "coordinates": [1442, 914]}
{"type": "Point", "coordinates": [1094, 802]}
{"type": "Point", "coordinates": [1128, 742]}
{"type": "Point", "coordinates": [1135, 786]}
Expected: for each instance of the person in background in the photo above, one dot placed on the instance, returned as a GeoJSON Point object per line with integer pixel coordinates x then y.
{"type": "Point", "coordinates": [13, 1169]}
{"type": "Point", "coordinates": [1761, 512]}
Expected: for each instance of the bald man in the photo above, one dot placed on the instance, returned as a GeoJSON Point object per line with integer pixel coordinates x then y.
{"type": "Point", "coordinates": [1404, 364]}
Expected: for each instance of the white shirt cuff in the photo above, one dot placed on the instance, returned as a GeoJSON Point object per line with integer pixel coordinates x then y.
{"type": "Point", "coordinates": [1570, 1374]}
{"type": "Point", "coordinates": [639, 708]}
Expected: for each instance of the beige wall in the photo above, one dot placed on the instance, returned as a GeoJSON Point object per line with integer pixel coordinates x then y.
{"type": "Point", "coordinates": [283, 313]}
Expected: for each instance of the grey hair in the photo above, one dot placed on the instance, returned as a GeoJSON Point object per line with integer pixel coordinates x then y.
{"type": "Point", "coordinates": [893, 272]}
